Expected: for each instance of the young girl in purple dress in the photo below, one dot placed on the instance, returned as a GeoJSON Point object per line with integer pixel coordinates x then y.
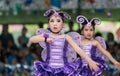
{"type": "Point", "coordinates": [56, 61]}
{"type": "Point", "coordinates": [94, 48]}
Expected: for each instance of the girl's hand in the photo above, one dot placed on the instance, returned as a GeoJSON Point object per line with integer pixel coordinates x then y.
{"type": "Point", "coordinates": [50, 40]}
{"type": "Point", "coordinates": [117, 65]}
{"type": "Point", "coordinates": [94, 65]}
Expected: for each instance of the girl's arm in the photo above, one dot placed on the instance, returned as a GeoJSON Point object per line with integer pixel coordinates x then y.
{"type": "Point", "coordinates": [37, 38]}
{"type": "Point", "coordinates": [92, 64]}
{"type": "Point", "coordinates": [40, 38]}
{"type": "Point", "coordinates": [106, 53]}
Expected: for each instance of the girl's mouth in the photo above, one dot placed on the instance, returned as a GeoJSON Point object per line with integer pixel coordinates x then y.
{"type": "Point", "coordinates": [55, 28]}
{"type": "Point", "coordinates": [89, 35]}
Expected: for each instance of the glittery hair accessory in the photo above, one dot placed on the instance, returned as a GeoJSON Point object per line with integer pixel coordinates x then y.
{"type": "Point", "coordinates": [53, 12]}
{"type": "Point", "coordinates": [82, 19]}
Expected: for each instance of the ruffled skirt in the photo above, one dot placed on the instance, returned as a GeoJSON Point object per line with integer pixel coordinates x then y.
{"type": "Point", "coordinates": [86, 71]}
{"type": "Point", "coordinates": [69, 69]}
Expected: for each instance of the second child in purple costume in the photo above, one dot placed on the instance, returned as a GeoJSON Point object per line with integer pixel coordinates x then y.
{"type": "Point", "coordinates": [93, 47]}
{"type": "Point", "coordinates": [56, 62]}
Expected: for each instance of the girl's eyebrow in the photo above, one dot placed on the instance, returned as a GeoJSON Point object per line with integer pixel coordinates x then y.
{"type": "Point", "coordinates": [58, 19]}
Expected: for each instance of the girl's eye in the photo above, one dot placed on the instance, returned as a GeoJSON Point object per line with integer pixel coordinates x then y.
{"type": "Point", "coordinates": [58, 20]}
{"type": "Point", "coordinates": [86, 29]}
{"type": "Point", "coordinates": [52, 20]}
{"type": "Point", "coordinates": [91, 29]}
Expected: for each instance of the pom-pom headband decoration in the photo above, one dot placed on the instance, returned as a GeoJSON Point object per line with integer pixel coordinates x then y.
{"type": "Point", "coordinates": [53, 12]}
{"type": "Point", "coordinates": [81, 19]}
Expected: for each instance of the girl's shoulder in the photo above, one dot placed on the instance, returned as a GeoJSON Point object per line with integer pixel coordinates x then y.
{"type": "Point", "coordinates": [95, 42]}
{"type": "Point", "coordinates": [92, 42]}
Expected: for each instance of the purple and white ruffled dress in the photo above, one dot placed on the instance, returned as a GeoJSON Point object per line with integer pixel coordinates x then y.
{"type": "Point", "coordinates": [90, 50]}
{"type": "Point", "coordinates": [56, 62]}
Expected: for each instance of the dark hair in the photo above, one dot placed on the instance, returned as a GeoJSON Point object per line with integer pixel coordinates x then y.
{"type": "Point", "coordinates": [110, 36]}
{"type": "Point", "coordinates": [98, 34]}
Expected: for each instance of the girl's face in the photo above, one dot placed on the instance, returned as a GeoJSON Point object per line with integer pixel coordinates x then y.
{"type": "Point", "coordinates": [56, 24]}
{"type": "Point", "coordinates": [88, 31]}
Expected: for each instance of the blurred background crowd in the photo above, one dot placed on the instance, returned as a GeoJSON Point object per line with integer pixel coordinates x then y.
{"type": "Point", "coordinates": [19, 20]}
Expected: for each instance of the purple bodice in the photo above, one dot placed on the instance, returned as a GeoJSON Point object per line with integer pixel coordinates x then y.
{"type": "Point", "coordinates": [56, 52]}
{"type": "Point", "coordinates": [90, 50]}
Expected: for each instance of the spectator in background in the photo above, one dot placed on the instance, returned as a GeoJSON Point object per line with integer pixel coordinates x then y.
{"type": "Point", "coordinates": [1, 52]}
{"type": "Point", "coordinates": [110, 42]}
{"type": "Point", "coordinates": [118, 52]}
{"type": "Point", "coordinates": [111, 70]}
{"type": "Point", "coordinates": [6, 36]}
{"type": "Point", "coordinates": [98, 34]}
{"type": "Point", "coordinates": [119, 44]}
{"type": "Point", "coordinates": [1, 58]}
{"type": "Point", "coordinates": [7, 2]}
{"type": "Point", "coordinates": [70, 25]}
{"type": "Point", "coordinates": [36, 49]}
{"type": "Point", "coordinates": [23, 39]}
{"type": "Point", "coordinates": [79, 29]}
{"type": "Point", "coordinates": [40, 24]}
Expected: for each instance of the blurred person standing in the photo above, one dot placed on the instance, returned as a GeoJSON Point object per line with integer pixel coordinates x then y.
{"type": "Point", "coordinates": [6, 36]}
{"type": "Point", "coordinates": [98, 34]}
{"type": "Point", "coordinates": [70, 25]}
{"type": "Point", "coordinates": [23, 39]}
{"type": "Point", "coordinates": [1, 52]}
{"type": "Point", "coordinates": [1, 58]}
{"type": "Point", "coordinates": [110, 42]}
{"type": "Point", "coordinates": [40, 24]}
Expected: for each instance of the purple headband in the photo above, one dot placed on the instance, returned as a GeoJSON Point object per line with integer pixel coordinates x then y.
{"type": "Point", "coordinates": [81, 19]}
{"type": "Point", "coordinates": [53, 12]}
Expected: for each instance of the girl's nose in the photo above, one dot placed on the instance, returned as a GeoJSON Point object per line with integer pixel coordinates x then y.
{"type": "Point", "coordinates": [55, 24]}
